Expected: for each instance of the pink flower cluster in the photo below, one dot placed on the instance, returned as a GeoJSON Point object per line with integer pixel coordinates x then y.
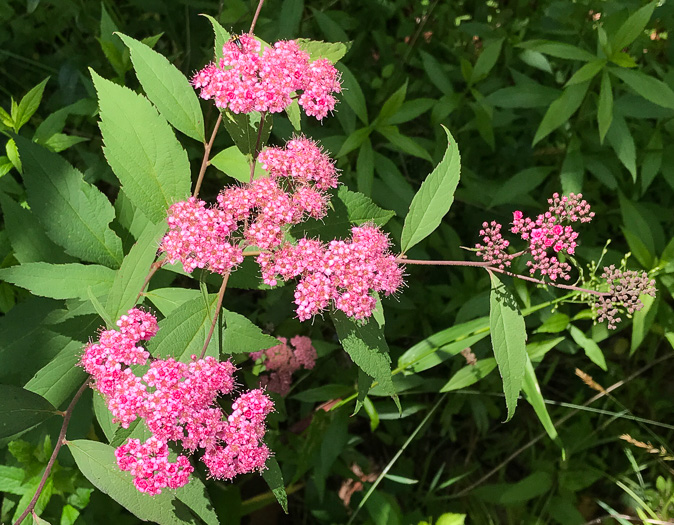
{"type": "Point", "coordinates": [282, 361]}
{"type": "Point", "coordinates": [549, 232]}
{"type": "Point", "coordinates": [178, 403]}
{"type": "Point", "coordinates": [258, 213]}
{"type": "Point", "coordinates": [245, 80]}
{"type": "Point", "coordinates": [344, 273]}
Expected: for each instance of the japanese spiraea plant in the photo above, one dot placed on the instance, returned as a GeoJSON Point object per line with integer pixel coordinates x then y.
{"type": "Point", "coordinates": [163, 382]}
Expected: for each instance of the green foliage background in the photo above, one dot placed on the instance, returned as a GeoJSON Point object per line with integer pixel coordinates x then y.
{"type": "Point", "coordinates": [542, 97]}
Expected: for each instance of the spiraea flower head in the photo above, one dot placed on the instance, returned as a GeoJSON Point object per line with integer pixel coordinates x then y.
{"type": "Point", "coordinates": [246, 80]}
{"type": "Point", "coordinates": [283, 360]}
{"type": "Point", "coordinates": [625, 289]}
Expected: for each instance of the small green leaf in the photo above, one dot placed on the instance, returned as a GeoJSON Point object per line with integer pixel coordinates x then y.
{"type": "Point", "coordinates": [272, 475]}
{"type": "Point", "coordinates": [21, 410]}
{"type": "Point", "coordinates": [403, 143]}
{"type": "Point", "coordinates": [591, 348]}
{"type": "Point", "coordinates": [75, 215]}
{"type": "Point", "coordinates": [622, 142]}
{"type": "Point", "coordinates": [450, 518]}
{"type": "Point", "coordinates": [642, 321]}
{"type": "Point", "coordinates": [244, 130]}
{"type": "Point", "coordinates": [554, 324]}
{"type": "Point", "coordinates": [294, 115]}
{"type": "Point", "coordinates": [365, 168]}
{"type": "Point", "coordinates": [605, 107]}
{"type": "Point", "coordinates": [632, 27]}
{"type": "Point", "coordinates": [142, 150]}
{"type": "Point", "coordinates": [243, 336]}
{"type": "Point", "coordinates": [561, 110]}
{"type": "Point", "coordinates": [434, 198]}
{"type": "Point", "coordinates": [237, 165]}
{"type": "Point", "coordinates": [13, 155]}
{"type": "Point", "coordinates": [469, 375]}
{"type": "Point", "coordinates": [487, 59]}
{"type": "Point", "coordinates": [361, 208]}
{"type": "Point", "coordinates": [28, 105]}
{"type": "Point", "coordinates": [60, 281]}
{"type": "Point", "coordinates": [98, 464]}
{"type": "Point", "coordinates": [529, 95]}
{"type": "Point", "coordinates": [532, 393]}
{"type": "Point", "coordinates": [650, 88]}
{"type": "Point", "coordinates": [366, 345]}
{"type": "Point", "coordinates": [221, 36]}
{"type": "Point", "coordinates": [58, 379]}
{"type": "Point", "coordinates": [167, 88]}
{"type": "Point", "coordinates": [558, 49]}
{"type": "Point", "coordinates": [508, 339]}
{"type": "Point", "coordinates": [333, 51]}
{"type": "Point", "coordinates": [353, 94]}
{"type": "Point", "coordinates": [587, 72]}
{"type": "Point", "coordinates": [392, 105]}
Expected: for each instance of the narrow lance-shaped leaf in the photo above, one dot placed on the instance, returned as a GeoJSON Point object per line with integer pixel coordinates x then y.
{"type": "Point", "coordinates": [532, 393]}
{"type": "Point", "coordinates": [272, 475]}
{"type": "Point", "coordinates": [561, 110]}
{"type": "Point", "coordinates": [141, 149]}
{"type": "Point", "coordinates": [632, 27]}
{"type": "Point", "coordinates": [650, 88]}
{"type": "Point", "coordinates": [434, 198]}
{"type": "Point", "coordinates": [508, 339]}
{"type": "Point", "coordinates": [605, 107]}
{"type": "Point", "coordinates": [167, 88]}
{"type": "Point", "coordinates": [21, 410]}
{"type": "Point", "coordinates": [74, 214]}
{"type": "Point", "coordinates": [29, 104]}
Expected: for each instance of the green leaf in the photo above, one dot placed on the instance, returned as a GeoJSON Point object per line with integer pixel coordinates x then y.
{"type": "Point", "coordinates": [591, 348]}
{"type": "Point", "coordinates": [561, 110]}
{"type": "Point", "coordinates": [21, 410]}
{"type": "Point", "coordinates": [167, 88]}
{"type": "Point", "coordinates": [519, 184]}
{"type": "Point", "coordinates": [243, 336]}
{"type": "Point", "coordinates": [392, 105]}
{"type": "Point", "coordinates": [529, 95]}
{"type": "Point", "coordinates": [244, 130]}
{"type": "Point", "coordinates": [98, 464]}
{"type": "Point", "coordinates": [361, 208]}
{"type": "Point", "coordinates": [487, 60]}
{"type": "Point", "coordinates": [294, 115]}
{"type": "Point", "coordinates": [104, 417]}
{"type": "Point", "coordinates": [403, 143]}
{"type": "Point", "coordinates": [532, 393]}
{"type": "Point", "coordinates": [333, 51]}
{"type": "Point", "coordinates": [434, 198]}
{"type": "Point", "coordinates": [131, 275]}
{"type": "Point", "coordinates": [196, 497]}
{"type": "Point", "coordinates": [587, 72]}
{"type": "Point", "coordinates": [411, 110]}
{"type": "Point", "coordinates": [13, 155]}
{"type": "Point", "coordinates": [221, 36]}
{"type": "Point", "coordinates": [508, 339]}
{"type": "Point", "coordinates": [365, 167]}
{"type": "Point", "coordinates": [237, 165]}
{"type": "Point", "coordinates": [28, 105]}
{"type": "Point", "coordinates": [272, 475]}
{"type": "Point", "coordinates": [622, 142]}
{"type": "Point", "coordinates": [60, 281]}
{"type": "Point", "coordinates": [450, 518]}
{"type": "Point", "coordinates": [166, 300]}
{"type": "Point", "coordinates": [324, 393]}
{"type": "Point", "coordinates": [58, 379]}
{"type": "Point", "coordinates": [649, 87]}
{"type": "Point", "coordinates": [558, 49]}
{"type": "Point", "coordinates": [632, 27]}
{"type": "Point", "coordinates": [364, 385]}
{"type": "Point", "coordinates": [353, 141]}
{"type": "Point", "coordinates": [183, 332]}
{"type": "Point", "coordinates": [29, 242]}
{"type": "Point", "coordinates": [554, 324]}
{"type": "Point", "coordinates": [353, 94]}
{"type": "Point", "coordinates": [141, 149]}
{"type": "Point", "coordinates": [74, 214]}
{"type": "Point", "coordinates": [642, 321]}
{"type": "Point", "coordinates": [469, 375]}
{"type": "Point", "coordinates": [605, 106]}
{"type": "Point", "coordinates": [365, 344]}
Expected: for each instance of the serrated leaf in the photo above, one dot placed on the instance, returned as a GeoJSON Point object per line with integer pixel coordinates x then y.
{"type": "Point", "coordinates": [651, 88]}
{"type": "Point", "coordinates": [141, 149]}
{"type": "Point", "coordinates": [183, 332]}
{"type": "Point", "coordinates": [243, 336]}
{"type": "Point", "coordinates": [361, 208]}
{"type": "Point", "coordinates": [591, 348]}
{"type": "Point", "coordinates": [196, 497]}
{"type": "Point", "coordinates": [168, 299]}
{"type": "Point", "coordinates": [29, 242]}
{"type": "Point", "coordinates": [561, 110]}
{"type": "Point", "coordinates": [605, 106]}
{"type": "Point", "coordinates": [167, 88]}
{"type": "Point", "coordinates": [272, 475]}
{"type": "Point", "coordinates": [532, 393]}
{"type": "Point", "coordinates": [366, 345]}
{"type": "Point", "coordinates": [469, 375]}
{"type": "Point", "coordinates": [434, 198]}
{"type": "Point", "coordinates": [244, 129]}
{"type": "Point", "coordinates": [135, 267]}
{"type": "Point", "coordinates": [237, 165]}
{"type": "Point", "coordinates": [74, 214]}
{"type": "Point", "coordinates": [60, 281]}
{"type": "Point", "coordinates": [59, 378]}
{"type": "Point", "coordinates": [28, 105]}
{"type": "Point", "coordinates": [21, 410]}
{"type": "Point", "coordinates": [632, 27]}
{"type": "Point", "coordinates": [508, 339]}
{"type": "Point", "coordinates": [333, 51]}
{"type": "Point", "coordinates": [98, 464]}
{"type": "Point", "coordinates": [13, 155]}
{"type": "Point", "coordinates": [221, 36]}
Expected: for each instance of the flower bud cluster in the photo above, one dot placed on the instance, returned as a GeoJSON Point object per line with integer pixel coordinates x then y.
{"type": "Point", "coordinates": [282, 361]}
{"type": "Point", "coordinates": [341, 273]}
{"type": "Point", "coordinates": [245, 80]}
{"type": "Point", "coordinates": [178, 402]}
{"type": "Point", "coordinates": [494, 249]}
{"type": "Point", "coordinates": [625, 289]}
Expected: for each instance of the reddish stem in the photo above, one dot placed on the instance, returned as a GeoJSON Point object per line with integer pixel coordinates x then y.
{"type": "Point", "coordinates": [257, 147]}
{"type": "Point", "coordinates": [257, 13]}
{"type": "Point", "coordinates": [207, 151]}
{"type": "Point", "coordinates": [221, 295]}
{"type": "Point", "coordinates": [153, 269]}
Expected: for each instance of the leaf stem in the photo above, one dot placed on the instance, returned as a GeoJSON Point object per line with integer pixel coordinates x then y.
{"type": "Point", "coordinates": [153, 269]}
{"type": "Point", "coordinates": [257, 13]}
{"type": "Point", "coordinates": [59, 443]}
{"type": "Point", "coordinates": [207, 151]}
{"type": "Point", "coordinates": [256, 152]}
{"type": "Point", "coordinates": [221, 295]}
